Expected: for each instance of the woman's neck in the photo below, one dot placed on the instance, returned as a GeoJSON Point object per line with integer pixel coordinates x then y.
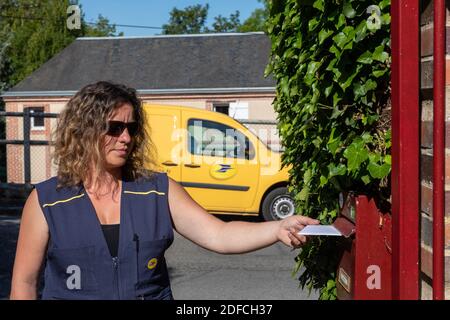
{"type": "Point", "coordinates": [106, 184]}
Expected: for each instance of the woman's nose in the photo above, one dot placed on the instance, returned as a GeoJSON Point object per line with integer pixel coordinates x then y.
{"type": "Point", "coordinates": [125, 136]}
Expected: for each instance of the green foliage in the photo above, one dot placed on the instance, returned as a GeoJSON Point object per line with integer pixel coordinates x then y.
{"type": "Point", "coordinates": [231, 24]}
{"type": "Point", "coordinates": [331, 61]}
{"type": "Point", "coordinates": [101, 28]}
{"type": "Point", "coordinates": [188, 20]}
{"type": "Point", "coordinates": [36, 30]}
{"type": "Point", "coordinates": [192, 19]}
{"type": "Point", "coordinates": [257, 19]}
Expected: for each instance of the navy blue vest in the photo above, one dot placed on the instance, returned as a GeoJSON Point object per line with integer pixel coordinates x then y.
{"type": "Point", "coordinates": [79, 264]}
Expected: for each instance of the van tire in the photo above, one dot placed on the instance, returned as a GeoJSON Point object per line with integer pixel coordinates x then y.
{"type": "Point", "coordinates": [277, 205]}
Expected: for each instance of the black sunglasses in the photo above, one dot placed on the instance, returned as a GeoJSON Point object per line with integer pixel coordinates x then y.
{"type": "Point", "coordinates": [115, 128]}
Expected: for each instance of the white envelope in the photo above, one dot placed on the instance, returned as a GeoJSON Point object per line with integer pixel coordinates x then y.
{"type": "Point", "coordinates": [320, 230]}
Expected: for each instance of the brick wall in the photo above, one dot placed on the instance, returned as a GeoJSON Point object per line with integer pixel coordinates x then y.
{"type": "Point", "coordinates": [426, 163]}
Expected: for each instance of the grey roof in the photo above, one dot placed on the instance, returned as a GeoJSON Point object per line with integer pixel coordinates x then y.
{"type": "Point", "coordinates": [159, 64]}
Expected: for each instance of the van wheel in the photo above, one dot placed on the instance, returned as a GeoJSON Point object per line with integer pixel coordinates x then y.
{"type": "Point", "coordinates": [278, 205]}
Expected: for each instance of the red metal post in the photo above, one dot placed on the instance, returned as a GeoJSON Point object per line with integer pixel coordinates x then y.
{"type": "Point", "coordinates": [438, 148]}
{"type": "Point", "coordinates": [405, 148]}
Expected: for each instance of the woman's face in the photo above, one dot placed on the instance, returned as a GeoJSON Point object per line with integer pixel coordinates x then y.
{"type": "Point", "coordinates": [118, 143]}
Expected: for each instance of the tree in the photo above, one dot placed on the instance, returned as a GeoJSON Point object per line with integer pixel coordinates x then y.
{"type": "Point", "coordinates": [192, 19]}
{"type": "Point", "coordinates": [223, 24]}
{"type": "Point", "coordinates": [257, 20]}
{"type": "Point", "coordinates": [188, 20]}
{"type": "Point", "coordinates": [102, 28]}
{"type": "Point", "coordinates": [37, 30]}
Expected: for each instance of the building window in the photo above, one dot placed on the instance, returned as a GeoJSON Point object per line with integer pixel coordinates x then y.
{"type": "Point", "coordinates": [37, 123]}
{"type": "Point", "coordinates": [222, 108]}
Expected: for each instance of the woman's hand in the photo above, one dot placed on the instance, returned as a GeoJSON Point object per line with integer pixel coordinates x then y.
{"type": "Point", "coordinates": [289, 228]}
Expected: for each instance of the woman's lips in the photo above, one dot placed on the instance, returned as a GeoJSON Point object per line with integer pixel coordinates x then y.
{"type": "Point", "coordinates": [121, 152]}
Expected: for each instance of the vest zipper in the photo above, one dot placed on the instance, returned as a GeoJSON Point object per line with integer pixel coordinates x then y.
{"type": "Point", "coordinates": [116, 278]}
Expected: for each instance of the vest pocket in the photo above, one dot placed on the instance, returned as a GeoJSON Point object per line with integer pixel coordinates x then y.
{"type": "Point", "coordinates": [151, 272]}
{"type": "Point", "coordinates": [71, 273]}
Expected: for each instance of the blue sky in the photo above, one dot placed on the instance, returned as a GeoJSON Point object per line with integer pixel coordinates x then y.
{"type": "Point", "coordinates": [155, 13]}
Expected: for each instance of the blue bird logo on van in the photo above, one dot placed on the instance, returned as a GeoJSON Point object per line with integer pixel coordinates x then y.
{"type": "Point", "coordinates": [222, 171]}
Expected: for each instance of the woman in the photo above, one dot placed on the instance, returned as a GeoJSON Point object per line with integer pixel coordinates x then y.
{"type": "Point", "coordinates": [104, 222]}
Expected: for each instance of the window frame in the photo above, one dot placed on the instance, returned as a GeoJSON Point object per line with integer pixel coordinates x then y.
{"type": "Point", "coordinates": [251, 147]}
{"type": "Point", "coordinates": [33, 126]}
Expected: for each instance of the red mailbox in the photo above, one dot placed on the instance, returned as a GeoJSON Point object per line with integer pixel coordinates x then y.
{"type": "Point", "coordinates": [365, 268]}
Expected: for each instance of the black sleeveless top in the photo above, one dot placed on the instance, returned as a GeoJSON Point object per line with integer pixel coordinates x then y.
{"type": "Point", "coordinates": [111, 233]}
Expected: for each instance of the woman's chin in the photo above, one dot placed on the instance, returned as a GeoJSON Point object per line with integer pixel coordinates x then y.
{"type": "Point", "coordinates": [115, 164]}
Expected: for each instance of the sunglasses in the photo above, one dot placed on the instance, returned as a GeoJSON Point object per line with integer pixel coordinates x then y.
{"type": "Point", "coordinates": [115, 128]}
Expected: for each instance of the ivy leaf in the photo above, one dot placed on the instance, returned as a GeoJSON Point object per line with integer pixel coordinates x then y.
{"type": "Point", "coordinates": [319, 4]}
{"type": "Point", "coordinates": [284, 83]}
{"type": "Point", "coordinates": [307, 177]}
{"type": "Point", "coordinates": [379, 171]}
{"type": "Point", "coordinates": [367, 137]}
{"type": "Point", "coordinates": [379, 54]}
{"type": "Point", "coordinates": [379, 73]}
{"type": "Point", "coordinates": [355, 154]}
{"type": "Point", "coordinates": [333, 142]}
{"type": "Point", "coordinates": [313, 66]}
{"type": "Point", "coordinates": [336, 99]}
{"type": "Point", "coordinates": [387, 159]}
{"type": "Point", "coordinates": [338, 170]}
{"type": "Point", "coordinates": [332, 63]}
{"type": "Point", "coordinates": [385, 3]}
{"type": "Point", "coordinates": [365, 58]}
{"type": "Point", "coordinates": [312, 24]}
{"type": "Point", "coordinates": [341, 21]}
{"type": "Point", "coordinates": [328, 90]}
{"type": "Point", "coordinates": [340, 39]}
{"type": "Point", "coordinates": [324, 34]}
{"type": "Point", "coordinates": [323, 181]}
{"type": "Point", "coordinates": [361, 31]}
{"type": "Point", "coordinates": [336, 51]}
{"type": "Point", "coordinates": [268, 70]}
{"type": "Point", "coordinates": [366, 179]}
{"type": "Point", "coordinates": [349, 12]}
{"type": "Point", "coordinates": [349, 80]}
{"type": "Point", "coordinates": [303, 195]}
{"type": "Point", "coordinates": [386, 18]}
{"type": "Point", "coordinates": [359, 90]}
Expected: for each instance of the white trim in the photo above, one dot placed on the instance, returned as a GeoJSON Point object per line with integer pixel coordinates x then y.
{"type": "Point", "coordinates": [147, 91]}
{"type": "Point", "coordinates": [174, 36]}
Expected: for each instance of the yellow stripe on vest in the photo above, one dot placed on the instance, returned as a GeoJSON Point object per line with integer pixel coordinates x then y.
{"type": "Point", "coordinates": [61, 201]}
{"type": "Point", "coordinates": [145, 193]}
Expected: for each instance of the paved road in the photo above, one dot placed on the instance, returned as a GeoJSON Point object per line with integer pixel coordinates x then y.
{"type": "Point", "coordinates": [199, 274]}
{"type": "Point", "coordinates": [9, 229]}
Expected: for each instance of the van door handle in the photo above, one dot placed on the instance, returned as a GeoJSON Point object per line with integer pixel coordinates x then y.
{"type": "Point", "coordinates": [192, 165]}
{"type": "Point", "coordinates": [170, 164]}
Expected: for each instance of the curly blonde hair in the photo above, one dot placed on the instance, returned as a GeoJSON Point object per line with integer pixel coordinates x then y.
{"type": "Point", "coordinates": [81, 130]}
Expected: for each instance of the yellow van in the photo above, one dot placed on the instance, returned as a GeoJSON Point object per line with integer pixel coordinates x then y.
{"type": "Point", "coordinates": [225, 167]}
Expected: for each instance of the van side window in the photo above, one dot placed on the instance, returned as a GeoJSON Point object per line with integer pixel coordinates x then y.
{"type": "Point", "coordinates": [209, 138]}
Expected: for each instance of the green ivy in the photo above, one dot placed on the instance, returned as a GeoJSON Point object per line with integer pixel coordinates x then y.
{"type": "Point", "coordinates": [331, 61]}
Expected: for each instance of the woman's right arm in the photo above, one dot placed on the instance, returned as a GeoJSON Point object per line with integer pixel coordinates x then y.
{"type": "Point", "coordinates": [31, 249]}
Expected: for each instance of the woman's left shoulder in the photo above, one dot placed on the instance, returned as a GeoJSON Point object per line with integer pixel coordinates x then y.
{"type": "Point", "coordinates": [156, 178]}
